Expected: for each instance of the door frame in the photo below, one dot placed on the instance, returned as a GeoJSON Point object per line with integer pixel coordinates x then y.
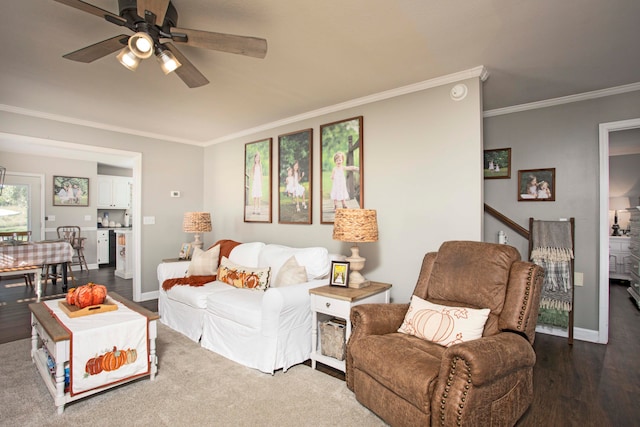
{"type": "Point", "coordinates": [604, 130]}
{"type": "Point", "coordinates": [42, 191]}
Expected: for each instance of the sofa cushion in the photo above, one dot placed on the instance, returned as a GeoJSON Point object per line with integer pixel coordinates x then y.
{"type": "Point", "coordinates": [243, 277]}
{"type": "Point", "coordinates": [242, 306]}
{"type": "Point", "coordinates": [246, 254]}
{"type": "Point", "coordinates": [442, 324]}
{"type": "Point", "coordinates": [195, 296]}
{"type": "Point", "coordinates": [204, 263]}
{"type": "Point", "coordinates": [314, 259]}
{"type": "Point", "coordinates": [291, 273]}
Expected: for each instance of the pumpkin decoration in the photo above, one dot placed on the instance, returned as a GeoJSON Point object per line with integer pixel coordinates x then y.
{"type": "Point", "coordinates": [94, 365]}
{"type": "Point", "coordinates": [110, 361]}
{"type": "Point", "coordinates": [87, 295]}
{"type": "Point", "coordinates": [114, 359]}
{"type": "Point", "coordinates": [132, 355]}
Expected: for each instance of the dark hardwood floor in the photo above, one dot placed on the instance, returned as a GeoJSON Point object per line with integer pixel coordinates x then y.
{"type": "Point", "coordinates": [581, 385]}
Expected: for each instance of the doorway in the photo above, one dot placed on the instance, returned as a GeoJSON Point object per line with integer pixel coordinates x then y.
{"type": "Point", "coordinates": [23, 194]}
{"type": "Point", "coordinates": [605, 130]}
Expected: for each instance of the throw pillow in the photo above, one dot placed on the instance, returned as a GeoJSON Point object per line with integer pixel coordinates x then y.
{"type": "Point", "coordinates": [291, 273]}
{"type": "Point", "coordinates": [442, 324]}
{"type": "Point", "coordinates": [243, 277]}
{"type": "Point", "coordinates": [204, 263]}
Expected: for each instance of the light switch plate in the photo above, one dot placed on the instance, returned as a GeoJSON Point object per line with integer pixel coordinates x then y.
{"type": "Point", "coordinates": [578, 279]}
{"type": "Point", "coordinates": [149, 220]}
{"type": "Point", "coordinates": [51, 217]}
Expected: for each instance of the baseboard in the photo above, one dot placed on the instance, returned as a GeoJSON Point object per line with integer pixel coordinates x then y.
{"type": "Point", "coordinates": [146, 296]}
{"type": "Point", "coordinates": [579, 334]}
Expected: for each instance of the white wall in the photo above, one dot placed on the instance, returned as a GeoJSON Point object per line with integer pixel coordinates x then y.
{"type": "Point", "coordinates": [422, 173]}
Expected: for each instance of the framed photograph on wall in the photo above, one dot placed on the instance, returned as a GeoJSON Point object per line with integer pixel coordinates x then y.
{"type": "Point", "coordinates": [257, 181]}
{"type": "Point", "coordinates": [342, 179]}
{"type": "Point", "coordinates": [497, 163]}
{"type": "Point", "coordinates": [294, 177]}
{"type": "Point", "coordinates": [70, 191]}
{"type": "Point", "coordinates": [339, 274]}
{"type": "Point", "coordinates": [537, 185]}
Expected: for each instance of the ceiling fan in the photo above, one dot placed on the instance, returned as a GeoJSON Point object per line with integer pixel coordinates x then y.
{"type": "Point", "coordinates": [154, 25]}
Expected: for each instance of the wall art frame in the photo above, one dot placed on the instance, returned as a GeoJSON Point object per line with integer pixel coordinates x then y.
{"type": "Point", "coordinates": [497, 163]}
{"type": "Point", "coordinates": [257, 181]}
{"type": "Point", "coordinates": [70, 191]}
{"type": "Point", "coordinates": [185, 251]}
{"type": "Point", "coordinates": [295, 161]}
{"type": "Point", "coordinates": [537, 185]}
{"type": "Point", "coordinates": [341, 167]}
{"type": "Point", "coordinates": [339, 274]}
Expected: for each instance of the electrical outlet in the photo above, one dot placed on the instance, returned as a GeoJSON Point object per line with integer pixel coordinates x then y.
{"type": "Point", "coordinates": [578, 279]}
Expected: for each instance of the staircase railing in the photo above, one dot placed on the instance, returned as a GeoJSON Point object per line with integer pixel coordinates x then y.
{"type": "Point", "coordinates": [507, 221]}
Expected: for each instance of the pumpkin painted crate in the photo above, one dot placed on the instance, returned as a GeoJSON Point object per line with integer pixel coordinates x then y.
{"type": "Point", "coordinates": [332, 339]}
{"type": "Point", "coordinates": [73, 311]}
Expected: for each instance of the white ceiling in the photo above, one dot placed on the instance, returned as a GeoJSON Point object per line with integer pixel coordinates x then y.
{"type": "Point", "coordinates": [320, 53]}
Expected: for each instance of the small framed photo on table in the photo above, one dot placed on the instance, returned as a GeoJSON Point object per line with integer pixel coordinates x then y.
{"type": "Point", "coordinates": [339, 274]}
{"type": "Point", "coordinates": [185, 251]}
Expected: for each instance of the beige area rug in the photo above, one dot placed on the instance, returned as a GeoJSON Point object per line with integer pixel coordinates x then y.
{"type": "Point", "coordinates": [193, 387]}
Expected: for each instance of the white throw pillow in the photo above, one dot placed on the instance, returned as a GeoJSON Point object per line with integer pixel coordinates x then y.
{"type": "Point", "coordinates": [246, 254]}
{"type": "Point", "coordinates": [442, 324]}
{"type": "Point", "coordinates": [314, 259]}
{"type": "Point", "coordinates": [291, 273]}
{"type": "Point", "coordinates": [204, 263]}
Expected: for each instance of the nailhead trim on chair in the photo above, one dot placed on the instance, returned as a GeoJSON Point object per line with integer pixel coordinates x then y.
{"type": "Point", "coordinates": [445, 394]}
{"type": "Point", "coordinates": [525, 301]}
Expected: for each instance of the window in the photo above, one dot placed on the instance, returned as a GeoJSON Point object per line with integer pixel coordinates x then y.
{"type": "Point", "coordinates": [14, 208]}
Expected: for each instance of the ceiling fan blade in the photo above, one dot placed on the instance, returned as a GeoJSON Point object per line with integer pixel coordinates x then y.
{"type": "Point", "coordinates": [94, 10]}
{"type": "Point", "coordinates": [98, 50]}
{"type": "Point", "coordinates": [157, 7]}
{"type": "Point", "coordinates": [242, 45]}
{"type": "Point", "coordinates": [187, 72]}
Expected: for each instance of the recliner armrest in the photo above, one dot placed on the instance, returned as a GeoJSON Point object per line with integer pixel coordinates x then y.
{"type": "Point", "coordinates": [490, 358]}
{"type": "Point", "coordinates": [376, 319]}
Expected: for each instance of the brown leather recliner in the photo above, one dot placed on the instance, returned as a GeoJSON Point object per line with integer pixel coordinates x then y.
{"type": "Point", "coordinates": [408, 381]}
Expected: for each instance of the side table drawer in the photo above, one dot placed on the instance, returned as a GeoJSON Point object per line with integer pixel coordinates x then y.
{"type": "Point", "coordinates": [46, 340]}
{"type": "Point", "coordinates": [330, 306]}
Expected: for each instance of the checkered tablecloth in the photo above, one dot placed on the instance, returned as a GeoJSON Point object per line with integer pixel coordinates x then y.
{"type": "Point", "coordinates": [36, 253]}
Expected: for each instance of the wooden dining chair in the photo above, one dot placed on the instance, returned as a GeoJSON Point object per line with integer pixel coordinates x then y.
{"type": "Point", "coordinates": [18, 236]}
{"type": "Point", "coordinates": [71, 233]}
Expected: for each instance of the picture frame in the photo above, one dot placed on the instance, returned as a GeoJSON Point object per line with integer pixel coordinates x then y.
{"type": "Point", "coordinates": [497, 163]}
{"type": "Point", "coordinates": [342, 183]}
{"type": "Point", "coordinates": [70, 191]}
{"type": "Point", "coordinates": [295, 155]}
{"type": "Point", "coordinates": [339, 275]}
{"type": "Point", "coordinates": [186, 250]}
{"type": "Point", "coordinates": [257, 181]}
{"type": "Point", "coordinates": [537, 185]}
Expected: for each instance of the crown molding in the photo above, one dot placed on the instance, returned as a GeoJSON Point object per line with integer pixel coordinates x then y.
{"type": "Point", "coordinates": [562, 100]}
{"type": "Point", "coordinates": [477, 72]}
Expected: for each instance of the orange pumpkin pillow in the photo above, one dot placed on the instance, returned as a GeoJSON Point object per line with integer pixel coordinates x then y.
{"type": "Point", "coordinates": [243, 277]}
{"type": "Point", "coordinates": [442, 324]}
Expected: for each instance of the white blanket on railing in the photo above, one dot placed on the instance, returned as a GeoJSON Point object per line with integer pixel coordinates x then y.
{"type": "Point", "coordinates": [105, 348]}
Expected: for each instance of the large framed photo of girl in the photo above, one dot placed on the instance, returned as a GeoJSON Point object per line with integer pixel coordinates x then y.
{"type": "Point", "coordinates": [537, 185]}
{"type": "Point", "coordinates": [294, 177]}
{"type": "Point", "coordinates": [257, 181]}
{"type": "Point", "coordinates": [497, 163]}
{"type": "Point", "coordinates": [342, 182]}
{"type": "Point", "coordinates": [70, 191]}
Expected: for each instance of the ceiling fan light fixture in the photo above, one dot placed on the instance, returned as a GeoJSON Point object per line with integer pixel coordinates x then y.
{"type": "Point", "coordinates": [128, 59]}
{"type": "Point", "coordinates": [141, 44]}
{"type": "Point", "coordinates": [168, 61]}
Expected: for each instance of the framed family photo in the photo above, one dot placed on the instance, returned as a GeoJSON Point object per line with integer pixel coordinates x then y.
{"type": "Point", "coordinates": [537, 185]}
{"type": "Point", "coordinates": [70, 191]}
{"type": "Point", "coordinates": [257, 181]}
{"type": "Point", "coordinates": [185, 251]}
{"type": "Point", "coordinates": [342, 183]}
{"type": "Point", "coordinates": [497, 163]}
{"type": "Point", "coordinates": [294, 177]}
{"type": "Point", "coordinates": [339, 274]}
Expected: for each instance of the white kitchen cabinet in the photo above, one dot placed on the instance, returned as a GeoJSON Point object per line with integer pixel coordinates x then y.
{"type": "Point", "coordinates": [619, 258]}
{"type": "Point", "coordinates": [114, 192]}
{"type": "Point", "coordinates": [124, 254]}
{"type": "Point", "coordinates": [103, 246]}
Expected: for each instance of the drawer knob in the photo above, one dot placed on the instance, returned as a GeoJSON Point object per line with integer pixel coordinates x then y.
{"type": "Point", "coordinates": [328, 304]}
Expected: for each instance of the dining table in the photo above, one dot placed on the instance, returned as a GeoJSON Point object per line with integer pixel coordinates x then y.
{"type": "Point", "coordinates": [27, 257]}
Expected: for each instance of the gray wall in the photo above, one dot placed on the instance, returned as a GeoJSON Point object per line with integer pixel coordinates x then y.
{"type": "Point", "coordinates": [422, 173]}
{"type": "Point", "coordinates": [564, 137]}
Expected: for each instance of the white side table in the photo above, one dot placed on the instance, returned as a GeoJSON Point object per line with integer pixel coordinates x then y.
{"type": "Point", "coordinates": [337, 302]}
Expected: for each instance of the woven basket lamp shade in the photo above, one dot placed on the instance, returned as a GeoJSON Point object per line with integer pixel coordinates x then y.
{"type": "Point", "coordinates": [356, 226]}
{"type": "Point", "coordinates": [196, 222]}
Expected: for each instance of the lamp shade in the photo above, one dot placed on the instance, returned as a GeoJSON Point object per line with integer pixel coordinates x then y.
{"type": "Point", "coordinates": [619, 203]}
{"type": "Point", "coordinates": [355, 225]}
{"type": "Point", "coordinates": [196, 222]}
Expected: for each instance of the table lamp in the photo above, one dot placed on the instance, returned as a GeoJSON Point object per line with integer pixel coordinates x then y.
{"type": "Point", "coordinates": [196, 222]}
{"type": "Point", "coordinates": [617, 204]}
{"type": "Point", "coordinates": [355, 226]}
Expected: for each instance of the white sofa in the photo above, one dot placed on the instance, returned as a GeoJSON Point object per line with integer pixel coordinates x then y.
{"type": "Point", "coordinates": [265, 330]}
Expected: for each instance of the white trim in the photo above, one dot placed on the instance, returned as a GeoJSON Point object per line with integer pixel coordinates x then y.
{"type": "Point", "coordinates": [603, 228]}
{"type": "Point", "coordinates": [149, 296]}
{"type": "Point", "coordinates": [479, 72]}
{"type": "Point", "coordinates": [580, 334]}
{"type": "Point", "coordinates": [562, 100]}
{"type": "Point", "coordinates": [96, 125]}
